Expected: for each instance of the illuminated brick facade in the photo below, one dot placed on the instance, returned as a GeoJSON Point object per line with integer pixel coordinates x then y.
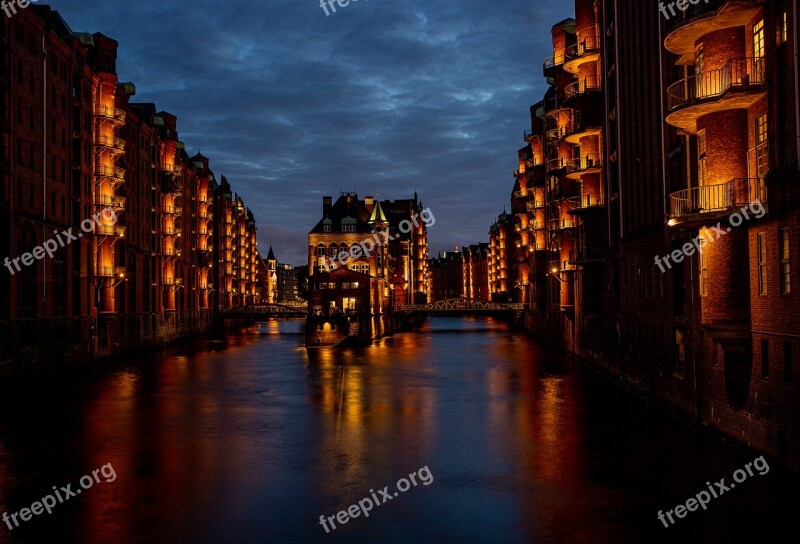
{"type": "Point", "coordinates": [74, 143]}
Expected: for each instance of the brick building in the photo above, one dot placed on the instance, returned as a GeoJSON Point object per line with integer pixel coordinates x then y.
{"type": "Point", "coordinates": [461, 274]}
{"type": "Point", "coordinates": [652, 131]}
{"type": "Point", "coordinates": [76, 146]}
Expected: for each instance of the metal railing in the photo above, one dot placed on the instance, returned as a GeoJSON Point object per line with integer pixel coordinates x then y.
{"type": "Point", "coordinates": [562, 223]}
{"type": "Point", "coordinates": [715, 198]}
{"type": "Point", "coordinates": [557, 164]}
{"type": "Point", "coordinates": [590, 160]}
{"type": "Point", "coordinates": [110, 230]}
{"type": "Point", "coordinates": [109, 271]}
{"type": "Point", "coordinates": [113, 172]}
{"type": "Point", "coordinates": [114, 114]}
{"type": "Point", "coordinates": [589, 84]}
{"type": "Point", "coordinates": [590, 43]}
{"type": "Point", "coordinates": [587, 200]}
{"type": "Point", "coordinates": [735, 74]}
{"type": "Point", "coordinates": [557, 59]}
{"type": "Point", "coordinates": [693, 12]}
{"type": "Point", "coordinates": [111, 142]}
{"type": "Point", "coordinates": [113, 201]}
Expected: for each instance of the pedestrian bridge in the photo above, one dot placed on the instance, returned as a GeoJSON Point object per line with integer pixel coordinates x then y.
{"type": "Point", "coordinates": [267, 310]}
{"type": "Point", "coordinates": [465, 306]}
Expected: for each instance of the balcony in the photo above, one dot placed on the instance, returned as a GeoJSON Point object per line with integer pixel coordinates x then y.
{"type": "Point", "coordinates": [561, 224]}
{"type": "Point", "coordinates": [585, 202]}
{"type": "Point", "coordinates": [587, 123]}
{"type": "Point", "coordinates": [109, 271]}
{"type": "Point", "coordinates": [110, 230]}
{"type": "Point", "coordinates": [591, 163]}
{"type": "Point", "coordinates": [113, 173]}
{"type": "Point", "coordinates": [557, 164]}
{"type": "Point", "coordinates": [562, 265]}
{"type": "Point", "coordinates": [111, 201]}
{"type": "Point", "coordinates": [551, 64]}
{"type": "Point", "coordinates": [172, 210]}
{"type": "Point", "coordinates": [115, 115]}
{"type": "Point", "coordinates": [702, 205]}
{"type": "Point", "coordinates": [687, 27]}
{"type": "Point", "coordinates": [586, 255]}
{"type": "Point", "coordinates": [534, 205]}
{"type": "Point", "coordinates": [737, 85]}
{"type": "Point", "coordinates": [589, 84]}
{"type": "Point", "coordinates": [116, 145]}
{"type": "Point", "coordinates": [586, 50]}
{"type": "Point", "coordinates": [530, 135]}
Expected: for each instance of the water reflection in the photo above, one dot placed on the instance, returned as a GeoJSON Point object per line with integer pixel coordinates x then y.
{"type": "Point", "coordinates": [250, 438]}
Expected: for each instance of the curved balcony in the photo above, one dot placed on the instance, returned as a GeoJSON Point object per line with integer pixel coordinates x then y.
{"type": "Point", "coordinates": [737, 85]}
{"type": "Point", "coordinates": [552, 64]}
{"type": "Point", "coordinates": [589, 123]}
{"type": "Point", "coordinates": [587, 85]}
{"type": "Point", "coordinates": [530, 135]}
{"type": "Point", "coordinates": [116, 145]}
{"type": "Point", "coordinates": [686, 27]}
{"type": "Point", "coordinates": [562, 223]}
{"type": "Point", "coordinates": [110, 230]}
{"type": "Point", "coordinates": [111, 201]}
{"type": "Point", "coordinates": [557, 164]}
{"type": "Point", "coordinates": [533, 205]}
{"type": "Point", "coordinates": [586, 50]}
{"type": "Point", "coordinates": [702, 205]}
{"type": "Point", "coordinates": [112, 173]}
{"type": "Point", "coordinates": [109, 271]}
{"type": "Point", "coordinates": [115, 115]}
{"type": "Point", "coordinates": [586, 202]}
{"type": "Point", "coordinates": [591, 163]}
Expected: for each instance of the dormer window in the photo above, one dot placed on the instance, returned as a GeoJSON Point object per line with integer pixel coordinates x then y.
{"type": "Point", "coordinates": [348, 224]}
{"type": "Point", "coordinates": [326, 228]}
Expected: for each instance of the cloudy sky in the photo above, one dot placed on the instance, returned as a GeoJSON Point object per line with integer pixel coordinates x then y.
{"type": "Point", "coordinates": [383, 96]}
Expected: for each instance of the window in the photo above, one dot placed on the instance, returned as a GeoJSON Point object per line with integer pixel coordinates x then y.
{"type": "Point", "coordinates": [758, 39]}
{"type": "Point", "coordinates": [765, 358]}
{"type": "Point", "coordinates": [355, 285]}
{"type": "Point", "coordinates": [326, 227]}
{"type": "Point", "coordinates": [701, 158]}
{"type": "Point", "coordinates": [332, 285]}
{"type": "Point", "coordinates": [333, 250]}
{"type": "Point", "coordinates": [783, 28]}
{"type": "Point", "coordinates": [699, 71]}
{"type": "Point", "coordinates": [762, 151]}
{"type": "Point", "coordinates": [787, 362]}
{"type": "Point", "coordinates": [323, 285]}
{"type": "Point", "coordinates": [321, 250]}
{"type": "Point", "coordinates": [346, 285]}
{"type": "Point", "coordinates": [703, 274]}
{"type": "Point", "coordinates": [762, 263]}
{"type": "Point", "coordinates": [786, 267]}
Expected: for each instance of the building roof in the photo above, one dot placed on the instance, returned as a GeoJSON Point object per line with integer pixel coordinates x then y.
{"type": "Point", "coordinates": [271, 254]}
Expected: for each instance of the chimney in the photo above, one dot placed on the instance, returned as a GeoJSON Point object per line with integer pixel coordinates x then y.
{"type": "Point", "coordinates": [327, 204]}
{"type": "Point", "coordinates": [369, 203]}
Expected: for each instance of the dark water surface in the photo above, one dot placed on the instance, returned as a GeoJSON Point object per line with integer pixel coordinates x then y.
{"type": "Point", "coordinates": [249, 439]}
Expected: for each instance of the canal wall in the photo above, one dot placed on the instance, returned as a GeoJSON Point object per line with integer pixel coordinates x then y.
{"type": "Point", "coordinates": [38, 346]}
{"type": "Point", "coordinates": [645, 370]}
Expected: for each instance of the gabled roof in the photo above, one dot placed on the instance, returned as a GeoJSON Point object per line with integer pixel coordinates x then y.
{"type": "Point", "coordinates": [377, 214]}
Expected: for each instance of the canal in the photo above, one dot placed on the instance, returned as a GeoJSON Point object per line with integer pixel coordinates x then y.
{"type": "Point", "coordinates": [249, 438]}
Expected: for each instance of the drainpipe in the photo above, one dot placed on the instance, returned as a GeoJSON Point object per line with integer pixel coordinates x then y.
{"type": "Point", "coordinates": [44, 164]}
{"type": "Point", "coordinates": [796, 80]}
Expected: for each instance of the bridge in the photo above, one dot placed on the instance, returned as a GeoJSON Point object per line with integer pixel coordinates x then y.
{"type": "Point", "coordinates": [464, 306]}
{"type": "Point", "coordinates": [257, 311]}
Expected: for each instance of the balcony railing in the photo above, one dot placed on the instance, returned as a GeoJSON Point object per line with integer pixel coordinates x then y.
{"type": "Point", "coordinates": [717, 198]}
{"type": "Point", "coordinates": [557, 59]}
{"type": "Point", "coordinates": [112, 201]}
{"type": "Point", "coordinates": [110, 230]}
{"type": "Point", "coordinates": [589, 84]}
{"type": "Point", "coordinates": [562, 223]}
{"type": "Point", "coordinates": [557, 164]}
{"type": "Point", "coordinates": [111, 172]}
{"type": "Point", "coordinates": [534, 205]}
{"type": "Point", "coordinates": [693, 12]}
{"type": "Point", "coordinates": [530, 135]}
{"type": "Point", "coordinates": [109, 271]}
{"type": "Point", "coordinates": [113, 114]}
{"type": "Point", "coordinates": [737, 74]}
{"type": "Point", "coordinates": [580, 164]}
{"type": "Point", "coordinates": [110, 142]}
{"type": "Point", "coordinates": [589, 44]}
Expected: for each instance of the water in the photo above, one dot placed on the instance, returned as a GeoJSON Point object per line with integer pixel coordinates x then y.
{"type": "Point", "coordinates": [249, 439]}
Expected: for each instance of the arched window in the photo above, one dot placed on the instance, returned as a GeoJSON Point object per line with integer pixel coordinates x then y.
{"type": "Point", "coordinates": [333, 250]}
{"type": "Point", "coordinates": [321, 250]}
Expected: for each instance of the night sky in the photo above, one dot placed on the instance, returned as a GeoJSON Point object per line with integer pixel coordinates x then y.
{"type": "Point", "coordinates": [383, 97]}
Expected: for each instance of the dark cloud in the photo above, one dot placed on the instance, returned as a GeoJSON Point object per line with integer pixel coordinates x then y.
{"type": "Point", "coordinates": [383, 96]}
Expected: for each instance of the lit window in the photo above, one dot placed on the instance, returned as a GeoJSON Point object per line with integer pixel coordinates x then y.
{"type": "Point", "coordinates": [703, 275]}
{"type": "Point", "coordinates": [355, 285]}
{"type": "Point", "coordinates": [762, 150]}
{"type": "Point", "coordinates": [786, 267]}
{"type": "Point", "coordinates": [323, 285]}
{"type": "Point", "coordinates": [785, 32]}
{"type": "Point", "coordinates": [758, 39]}
{"type": "Point", "coordinates": [701, 158]}
{"type": "Point", "coordinates": [762, 264]}
{"type": "Point", "coordinates": [346, 285]}
{"type": "Point", "coordinates": [332, 285]}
